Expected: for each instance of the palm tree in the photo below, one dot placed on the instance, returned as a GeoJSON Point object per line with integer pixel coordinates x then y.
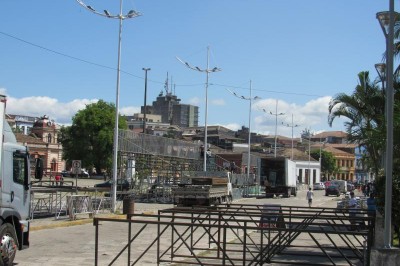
{"type": "Point", "coordinates": [364, 110]}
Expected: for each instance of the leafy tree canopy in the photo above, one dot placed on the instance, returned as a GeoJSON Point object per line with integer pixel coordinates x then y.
{"type": "Point", "coordinates": [328, 161]}
{"type": "Point", "coordinates": [90, 137]}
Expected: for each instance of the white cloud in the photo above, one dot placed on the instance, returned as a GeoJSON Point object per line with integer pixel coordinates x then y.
{"type": "Point", "coordinates": [61, 113]}
{"type": "Point", "coordinates": [219, 102]}
{"type": "Point", "coordinates": [129, 110]}
{"type": "Point", "coordinates": [195, 101]}
{"type": "Point", "coordinates": [313, 114]}
{"type": "Point", "coordinates": [232, 126]}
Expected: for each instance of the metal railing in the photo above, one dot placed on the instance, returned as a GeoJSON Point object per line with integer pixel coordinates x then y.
{"type": "Point", "coordinates": [239, 234]}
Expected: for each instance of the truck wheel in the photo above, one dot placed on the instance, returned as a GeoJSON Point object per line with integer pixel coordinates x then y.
{"type": "Point", "coordinates": [8, 244]}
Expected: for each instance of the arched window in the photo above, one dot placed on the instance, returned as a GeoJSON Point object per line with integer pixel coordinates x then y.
{"type": "Point", "coordinates": [53, 165]}
{"type": "Point", "coordinates": [49, 138]}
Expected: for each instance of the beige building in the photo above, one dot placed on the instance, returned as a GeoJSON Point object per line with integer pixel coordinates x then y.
{"type": "Point", "coordinates": [43, 143]}
{"type": "Point", "coordinates": [335, 142]}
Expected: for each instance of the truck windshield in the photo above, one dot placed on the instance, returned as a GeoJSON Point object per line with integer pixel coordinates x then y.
{"type": "Point", "coordinates": [19, 168]}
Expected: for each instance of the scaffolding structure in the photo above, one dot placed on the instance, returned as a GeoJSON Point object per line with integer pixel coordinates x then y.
{"type": "Point", "coordinates": [162, 159]}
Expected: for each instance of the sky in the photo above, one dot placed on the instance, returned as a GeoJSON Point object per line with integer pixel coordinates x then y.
{"type": "Point", "coordinates": [56, 57]}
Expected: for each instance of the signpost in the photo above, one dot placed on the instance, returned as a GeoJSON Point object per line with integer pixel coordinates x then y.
{"type": "Point", "coordinates": [76, 169]}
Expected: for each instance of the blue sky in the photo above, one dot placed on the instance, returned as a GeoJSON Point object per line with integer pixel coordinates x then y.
{"type": "Point", "coordinates": [56, 56]}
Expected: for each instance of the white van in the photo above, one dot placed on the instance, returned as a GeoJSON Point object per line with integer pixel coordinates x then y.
{"type": "Point", "coordinates": [341, 184]}
{"type": "Point", "coordinates": [319, 186]}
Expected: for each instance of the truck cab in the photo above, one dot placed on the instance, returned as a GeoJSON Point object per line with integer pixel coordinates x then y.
{"type": "Point", "coordinates": [14, 193]}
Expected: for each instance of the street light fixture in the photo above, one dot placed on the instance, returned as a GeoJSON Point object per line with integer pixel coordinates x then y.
{"type": "Point", "coordinates": [250, 99]}
{"type": "Point", "coordinates": [309, 158]}
{"type": "Point", "coordinates": [292, 125]}
{"type": "Point", "coordinates": [207, 71]}
{"type": "Point", "coordinates": [386, 20]}
{"type": "Point", "coordinates": [276, 114]}
{"type": "Point", "coordinates": [145, 98]}
{"type": "Point", "coordinates": [381, 70]}
{"type": "Point", "coordinates": [120, 17]}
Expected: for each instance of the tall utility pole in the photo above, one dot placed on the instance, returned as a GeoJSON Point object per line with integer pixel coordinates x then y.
{"type": "Point", "coordinates": [250, 99]}
{"type": "Point", "coordinates": [120, 17]}
{"type": "Point", "coordinates": [145, 99]}
{"type": "Point", "coordinates": [309, 158]}
{"type": "Point", "coordinates": [292, 125]}
{"type": "Point", "coordinates": [276, 114]}
{"type": "Point", "coordinates": [207, 71]}
{"type": "Point", "coordinates": [387, 21]}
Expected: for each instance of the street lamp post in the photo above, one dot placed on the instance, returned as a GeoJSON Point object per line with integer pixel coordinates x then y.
{"type": "Point", "coordinates": [250, 99]}
{"type": "Point", "coordinates": [207, 71]}
{"type": "Point", "coordinates": [309, 158]}
{"type": "Point", "coordinates": [145, 98]}
{"type": "Point", "coordinates": [386, 21]}
{"type": "Point", "coordinates": [276, 114]}
{"type": "Point", "coordinates": [381, 70]}
{"type": "Point", "coordinates": [292, 125]}
{"type": "Point", "coordinates": [120, 17]}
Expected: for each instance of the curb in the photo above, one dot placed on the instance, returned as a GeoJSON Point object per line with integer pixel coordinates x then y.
{"type": "Point", "coordinates": [57, 224]}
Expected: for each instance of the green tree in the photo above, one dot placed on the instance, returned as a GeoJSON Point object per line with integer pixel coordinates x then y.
{"type": "Point", "coordinates": [364, 110]}
{"type": "Point", "coordinates": [328, 162]}
{"type": "Point", "coordinates": [171, 133]}
{"type": "Point", "coordinates": [90, 137]}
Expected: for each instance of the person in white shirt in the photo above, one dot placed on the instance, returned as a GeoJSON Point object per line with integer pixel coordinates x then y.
{"type": "Point", "coordinates": [352, 207]}
{"type": "Point", "coordinates": [310, 196]}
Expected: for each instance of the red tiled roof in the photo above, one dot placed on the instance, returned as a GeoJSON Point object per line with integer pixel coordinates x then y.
{"type": "Point", "coordinates": [325, 134]}
{"type": "Point", "coordinates": [21, 138]}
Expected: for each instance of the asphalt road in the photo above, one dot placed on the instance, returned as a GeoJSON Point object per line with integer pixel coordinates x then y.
{"type": "Point", "coordinates": [74, 245]}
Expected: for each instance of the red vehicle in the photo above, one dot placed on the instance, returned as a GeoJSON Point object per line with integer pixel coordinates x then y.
{"type": "Point", "coordinates": [332, 190]}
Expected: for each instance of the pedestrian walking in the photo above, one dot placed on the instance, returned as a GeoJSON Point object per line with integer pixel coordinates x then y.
{"type": "Point", "coordinates": [371, 203]}
{"type": "Point", "coordinates": [310, 196]}
{"type": "Point", "coordinates": [352, 211]}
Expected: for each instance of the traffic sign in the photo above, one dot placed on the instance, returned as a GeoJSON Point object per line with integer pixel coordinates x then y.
{"type": "Point", "coordinates": [76, 167]}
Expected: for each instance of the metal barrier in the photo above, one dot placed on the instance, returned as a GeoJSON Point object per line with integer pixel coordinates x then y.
{"type": "Point", "coordinates": [78, 204]}
{"type": "Point", "coordinates": [240, 234]}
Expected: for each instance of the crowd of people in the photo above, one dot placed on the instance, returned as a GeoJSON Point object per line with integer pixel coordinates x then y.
{"type": "Point", "coordinates": [368, 189]}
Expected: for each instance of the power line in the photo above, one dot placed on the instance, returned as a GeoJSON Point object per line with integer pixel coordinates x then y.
{"type": "Point", "coordinates": [266, 90]}
{"type": "Point", "coordinates": [150, 80]}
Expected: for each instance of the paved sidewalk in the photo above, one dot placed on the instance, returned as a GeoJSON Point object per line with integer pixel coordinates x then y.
{"type": "Point", "coordinates": [320, 200]}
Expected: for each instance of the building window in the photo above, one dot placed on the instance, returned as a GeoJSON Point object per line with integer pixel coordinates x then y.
{"type": "Point", "coordinates": [53, 165]}
{"type": "Point", "coordinates": [49, 138]}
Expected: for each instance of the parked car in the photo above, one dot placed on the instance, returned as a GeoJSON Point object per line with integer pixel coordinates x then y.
{"type": "Point", "coordinates": [122, 184]}
{"type": "Point", "coordinates": [332, 190]}
{"type": "Point", "coordinates": [65, 173]}
{"type": "Point", "coordinates": [319, 186]}
{"type": "Point", "coordinates": [84, 173]}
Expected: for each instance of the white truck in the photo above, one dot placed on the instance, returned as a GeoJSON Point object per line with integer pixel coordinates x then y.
{"type": "Point", "coordinates": [14, 192]}
{"type": "Point", "coordinates": [203, 189]}
{"type": "Point", "coordinates": [279, 176]}
{"type": "Point", "coordinates": [341, 184]}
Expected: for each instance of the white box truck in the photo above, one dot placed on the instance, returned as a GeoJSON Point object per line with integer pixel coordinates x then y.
{"type": "Point", "coordinates": [279, 176]}
{"type": "Point", "coordinates": [14, 192]}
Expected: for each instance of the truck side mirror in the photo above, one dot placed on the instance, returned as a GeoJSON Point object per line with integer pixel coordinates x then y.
{"type": "Point", "coordinates": [38, 168]}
